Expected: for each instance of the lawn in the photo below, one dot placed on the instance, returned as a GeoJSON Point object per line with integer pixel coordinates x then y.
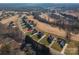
{"type": "Point", "coordinates": [24, 26]}
{"type": "Point", "coordinates": [44, 41]}
{"type": "Point", "coordinates": [56, 46]}
{"type": "Point", "coordinates": [71, 49]}
{"type": "Point", "coordinates": [35, 38]}
{"type": "Point", "coordinates": [75, 42]}
{"type": "Point", "coordinates": [29, 33]}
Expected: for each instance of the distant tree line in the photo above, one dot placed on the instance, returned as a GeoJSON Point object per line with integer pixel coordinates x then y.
{"type": "Point", "coordinates": [36, 16]}
{"type": "Point", "coordinates": [68, 22]}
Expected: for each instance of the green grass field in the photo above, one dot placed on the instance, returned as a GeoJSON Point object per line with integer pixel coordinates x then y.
{"type": "Point", "coordinates": [29, 33]}
{"type": "Point", "coordinates": [35, 38]}
{"type": "Point", "coordinates": [44, 41]}
{"type": "Point", "coordinates": [56, 46]}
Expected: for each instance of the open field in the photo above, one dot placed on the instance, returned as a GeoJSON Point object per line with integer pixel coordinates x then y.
{"type": "Point", "coordinates": [53, 30]}
{"type": "Point", "coordinates": [13, 18]}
